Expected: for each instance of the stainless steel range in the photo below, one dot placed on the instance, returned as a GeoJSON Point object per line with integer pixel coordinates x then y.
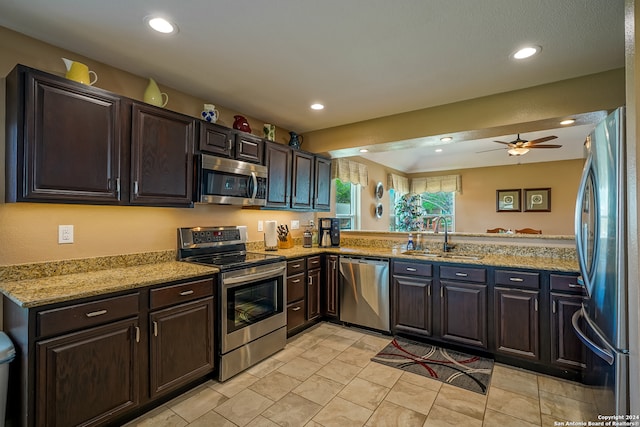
{"type": "Point", "coordinates": [251, 295]}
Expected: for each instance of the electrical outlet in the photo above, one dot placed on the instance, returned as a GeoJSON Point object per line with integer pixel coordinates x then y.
{"type": "Point", "coordinates": [65, 234]}
{"type": "Point", "coordinates": [295, 224]}
{"type": "Point", "coordinates": [260, 226]}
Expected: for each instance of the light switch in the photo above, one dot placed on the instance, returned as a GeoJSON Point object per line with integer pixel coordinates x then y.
{"type": "Point", "coordinates": [295, 224]}
{"type": "Point", "coordinates": [260, 226]}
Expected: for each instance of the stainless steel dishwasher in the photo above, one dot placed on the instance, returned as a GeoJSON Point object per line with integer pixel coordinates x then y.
{"type": "Point", "coordinates": [364, 292]}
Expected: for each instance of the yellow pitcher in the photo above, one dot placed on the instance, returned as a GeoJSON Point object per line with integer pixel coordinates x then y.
{"type": "Point", "coordinates": [153, 96]}
{"type": "Point", "coordinates": [79, 72]}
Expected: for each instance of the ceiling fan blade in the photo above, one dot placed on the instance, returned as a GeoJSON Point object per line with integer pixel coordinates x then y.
{"type": "Point", "coordinates": [539, 140]}
{"type": "Point", "coordinates": [505, 143]}
{"type": "Point", "coordinates": [546, 146]}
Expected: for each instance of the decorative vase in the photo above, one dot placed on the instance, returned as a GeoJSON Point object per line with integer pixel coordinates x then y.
{"type": "Point", "coordinates": [269, 131]}
{"type": "Point", "coordinates": [210, 114]}
{"type": "Point", "coordinates": [79, 72]}
{"type": "Point", "coordinates": [153, 96]}
{"type": "Point", "coordinates": [295, 141]}
{"type": "Point", "coordinates": [241, 123]}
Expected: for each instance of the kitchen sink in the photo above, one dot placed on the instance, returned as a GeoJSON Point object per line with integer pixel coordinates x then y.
{"type": "Point", "coordinates": [446, 255]}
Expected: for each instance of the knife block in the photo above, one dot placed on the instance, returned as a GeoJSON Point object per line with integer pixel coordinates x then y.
{"type": "Point", "coordinates": [286, 244]}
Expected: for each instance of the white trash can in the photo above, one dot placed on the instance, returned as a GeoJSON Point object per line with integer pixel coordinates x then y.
{"type": "Point", "coordinates": [7, 354]}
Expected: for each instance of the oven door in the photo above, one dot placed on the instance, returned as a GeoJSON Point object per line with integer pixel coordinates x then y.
{"type": "Point", "coordinates": [231, 182]}
{"type": "Point", "coordinates": [252, 304]}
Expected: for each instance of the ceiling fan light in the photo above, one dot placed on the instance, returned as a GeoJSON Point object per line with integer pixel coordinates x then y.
{"type": "Point", "coordinates": [517, 151]}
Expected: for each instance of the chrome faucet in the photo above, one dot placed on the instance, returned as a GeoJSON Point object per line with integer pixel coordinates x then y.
{"type": "Point", "coordinates": [436, 224]}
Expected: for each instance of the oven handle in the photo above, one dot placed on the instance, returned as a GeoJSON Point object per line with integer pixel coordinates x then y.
{"type": "Point", "coordinates": [253, 277]}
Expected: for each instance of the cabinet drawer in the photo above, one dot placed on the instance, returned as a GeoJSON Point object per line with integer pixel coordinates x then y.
{"type": "Point", "coordinates": [295, 315]}
{"type": "Point", "coordinates": [464, 273]}
{"type": "Point", "coordinates": [296, 266]}
{"type": "Point", "coordinates": [295, 287]}
{"type": "Point", "coordinates": [182, 292]}
{"type": "Point", "coordinates": [412, 268]}
{"type": "Point", "coordinates": [313, 262]}
{"type": "Point", "coordinates": [561, 282]}
{"type": "Point", "coordinates": [518, 278]}
{"type": "Point", "coordinates": [80, 316]}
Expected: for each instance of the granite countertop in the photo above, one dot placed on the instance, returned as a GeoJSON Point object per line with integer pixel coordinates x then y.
{"type": "Point", "coordinates": [494, 260]}
{"type": "Point", "coordinates": [29, 293]}
{"type": "Point", "coordinates": [34, 285]}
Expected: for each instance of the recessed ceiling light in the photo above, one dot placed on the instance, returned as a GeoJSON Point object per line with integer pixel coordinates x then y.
{"type": "Point", "coordinates": [446, 139]}
{"type": "Point", "coordinates": [317, 106]}
{"type": "Point", "coordinates": [568, 122]}
{"type": "Point", "coordinates": [438, 150]}
{"type": "Point", "coordinates": [161, 25]}
{"type": "Point", "coordinates": [526, 52]}
{"type": "Point", "coordinates": [364, 150]}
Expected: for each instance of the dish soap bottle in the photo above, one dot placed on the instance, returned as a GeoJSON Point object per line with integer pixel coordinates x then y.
{"type": "Point", "coordinates": [410, 246]}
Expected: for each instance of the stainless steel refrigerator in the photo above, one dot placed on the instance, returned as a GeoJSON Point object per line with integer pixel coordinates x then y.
{"type": "Point", "coordinates": [602, 322]}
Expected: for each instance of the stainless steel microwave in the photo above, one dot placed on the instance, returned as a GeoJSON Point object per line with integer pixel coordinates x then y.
{"type": "Point", "coordinates": [230, 182]}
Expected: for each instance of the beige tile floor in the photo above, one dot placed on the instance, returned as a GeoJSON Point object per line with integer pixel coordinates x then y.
{"type": "Point", "coordinates": [324, 377]}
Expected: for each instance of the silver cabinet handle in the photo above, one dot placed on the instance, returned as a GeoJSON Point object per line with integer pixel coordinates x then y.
{"type": "Point", "coordinates": [315, 262]}
{"type": "Point", "coordinates": [575, 285]}
{"type": "Point", "coordinates": [310, 280]}
{"type": "Point", "coordinates": [296, 308]}
{"type": "Point", "coordinates": [118, 186]}
{"type": "Point", "coordinates": [516, 279]}
{"type": "Point", "coordinates": [295, 266]}
{"type": "Point", "coordinates": [155, 328]}
{"type": "Point", "coordinates": [230, 144]}
{"type": "Point", "coordinates": [137, 334]}
{"type": "Point", "coordinates": [412, 269]}
{"type": "Point", "coordinates": [185, 293]}
{"type": "Point", "coordinates": [536, 304]}
{"type": "Point", "coordinates": [441, 292]}
{"type": "Point", "coordinates": [135, 187]}
{"type": "Point", "coordinates": [296, 281]}
{"type": "Point", "coordinates": [553, 307]}
{"type": "Point", "coordinates": [429, 291]}
{"type": "Point", "coordinates": [96, 313]}
{"type": "Point", "coordinates": [333, 263]}
{"type": "Point", "coordinates": [461, 274]}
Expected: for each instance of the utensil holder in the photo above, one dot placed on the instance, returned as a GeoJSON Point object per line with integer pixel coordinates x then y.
{"type": "Point", "coordinates": [286, 244]}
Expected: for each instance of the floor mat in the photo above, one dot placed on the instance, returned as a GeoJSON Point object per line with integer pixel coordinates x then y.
{"type": "Point", "coordinates": [449, 366]}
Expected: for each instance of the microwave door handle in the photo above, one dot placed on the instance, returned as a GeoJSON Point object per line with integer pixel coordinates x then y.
{"type": "Point", "coordinates": [254, 179]}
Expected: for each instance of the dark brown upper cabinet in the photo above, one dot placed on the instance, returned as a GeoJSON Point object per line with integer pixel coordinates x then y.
{"type": "Point", "coordinates": [322, 189]}
{"type": "Point", "coordinates": [71, 143]}
{"type": "Point", "coordinates": [63, 140]}
{"type": "Point", "coordinates": [224, 142]}
{"type": "Point", "coordinates": [302, 179]}
{"type": "Point", "coordinates": [161, 157]}
{"type": "Point", "coordinates": [277, 158]}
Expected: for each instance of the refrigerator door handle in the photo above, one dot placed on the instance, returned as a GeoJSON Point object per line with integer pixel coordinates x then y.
{"type": "Point", "coordinates": [603, 353]}
{"type": "Point", "coordinates": [582, 262]}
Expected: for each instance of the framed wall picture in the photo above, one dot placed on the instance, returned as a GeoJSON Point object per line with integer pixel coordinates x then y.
{"type": "Point", "coordinates": [508, 200]}
{"type": "Point", "coordinates": [537, 200]}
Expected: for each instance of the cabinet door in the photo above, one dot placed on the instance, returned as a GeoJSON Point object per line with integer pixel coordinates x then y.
{"type": "Point", "coordinates": [302, 181]}
{"type": "Point", "coordinates": [330, 295]}
{"type": "Point", "coordinates": [249, 148]}
{"type": "Point", "coordinates": [463, 311]}
{"type": "Point", "coordinates": [161, 157]}
{"type": "Point", "coordinates": [517, 329]}
{"type": "Point", "coordinates": [181, 345]}
{"type": "Point", "coordinates": [566, 349]}
{"type": "Point", "coordinates": [87, 377]}
{"type": "Point", "coordinates": [313, 294]}
{"type": "Point", "coordinates": [216, 140]}
{"type": "Point", "coordinates": [278, 162]}
{"type": "Point", "coordinates": [412, 305]}
{"type": "Point", "coordinates": [322, 189]}
{"type": "Point", "coordinates": [70, 138]}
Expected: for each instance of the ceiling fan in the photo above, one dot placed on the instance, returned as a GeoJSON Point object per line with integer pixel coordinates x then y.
{"type": "Point", "coordinates": [520, 146]}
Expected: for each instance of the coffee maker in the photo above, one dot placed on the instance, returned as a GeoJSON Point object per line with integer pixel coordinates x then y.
{"type": "Point", "coordinates": [329, 232]}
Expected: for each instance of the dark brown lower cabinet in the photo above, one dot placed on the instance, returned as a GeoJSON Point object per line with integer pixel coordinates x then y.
{"type": "Point", "coordinates": [566, 349]}
{"type": "Point", "coordinates": [330, 288]}
{"type": "Point", "coordinates": [88, 377]}
{"type": "Point", "coordinates": [516, 322]}
{"type": "Point", "coordinates": [313, 294]}
{"type": "Point", "coordinates": [181, 345]}
{"type": "Point", "coordinates": [412, 311]}
{"type": "Point", "coordinates": [463, 313]}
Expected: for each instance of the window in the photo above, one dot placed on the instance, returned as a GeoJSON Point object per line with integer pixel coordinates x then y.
{"type": "Point", "coordinates": [348, 205]}
{"type": "Point", "coordinates": [416, 212]}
